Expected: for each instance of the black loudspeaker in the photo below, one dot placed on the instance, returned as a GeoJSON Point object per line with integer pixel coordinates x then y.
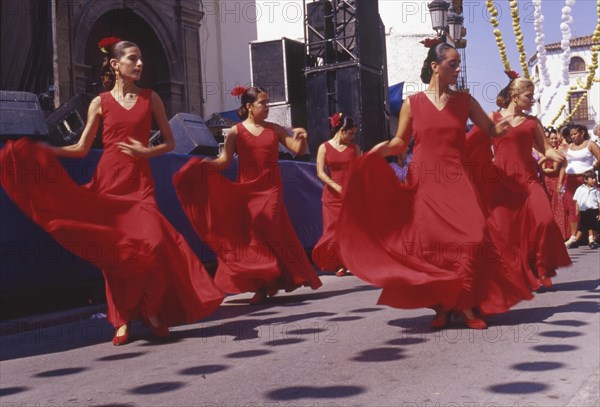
{"type": "Point", "coordinates": [21, 115]}
{"type": "Point", "coordinates": [345, 29]}
{"type": "Point", "coordinates": [278, 67]}
{"type": "Point", "coordinates": [370, 34]}
{"type": "Point", "coordinates": [191, 136]}
{"type": "Point", "coordinates": [66, 123]}
{"type": "Point", "coordinates": [320, 29]}
{"type": "Point", "coordinates": [354, 90]}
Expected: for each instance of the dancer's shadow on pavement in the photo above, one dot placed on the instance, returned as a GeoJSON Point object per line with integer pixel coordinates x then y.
{"type": "Point", "coordinates": [420, 324]}
{"type": "Point", "coordinates": [236, 307]}
{"type": "Point", "coordinates": [255, 329]}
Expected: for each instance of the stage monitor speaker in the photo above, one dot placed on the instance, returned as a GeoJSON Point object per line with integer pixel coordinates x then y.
{"type": "Point", "coordinates": [320, 29]}
{"type": "Point", "coordinates": [21, 115]}
{"type": "Point", "coordinates": [355, 91]}
{"type": "Point", "coordinates": [278, 67]}
{"type": "Point", "coordinates": [66, 123]}
{"type": "Point", "coordinates": [289, 116]}
{"type": "Point", "coordinates": [191, 136]}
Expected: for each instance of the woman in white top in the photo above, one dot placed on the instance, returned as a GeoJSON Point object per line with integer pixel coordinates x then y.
{"type": "Point", "coordinates": [582, 155]}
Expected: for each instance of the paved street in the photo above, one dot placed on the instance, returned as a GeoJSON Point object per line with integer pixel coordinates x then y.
{"type": "Point", "coordinates": [330, 347]}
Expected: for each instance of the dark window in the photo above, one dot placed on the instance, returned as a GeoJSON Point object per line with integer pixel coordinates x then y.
{"type": "Point", "coordinates": [576, 65]}
{"type": "Point", "coordinates": [582, 112]}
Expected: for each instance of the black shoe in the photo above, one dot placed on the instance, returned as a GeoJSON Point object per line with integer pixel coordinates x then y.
{"type": "Point", "coordinates": [594, 245]}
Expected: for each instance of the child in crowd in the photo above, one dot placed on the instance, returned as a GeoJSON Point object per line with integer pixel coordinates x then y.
{"type": "Point", "coordinates": [587, 197]}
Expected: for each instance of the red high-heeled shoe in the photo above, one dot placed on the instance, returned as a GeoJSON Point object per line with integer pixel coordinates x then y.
{"type": "Point", "coordinates": [341, 272]}
{"type": "Point", "coordinates": [122, 339]}
{"type": "Point", "coordinates": [259, 297]}
{"type": "Point", "coordinates": [473, 323]}
{"type": "Point", "coordinates": [545, 281]}
{"type": "Point", "coordinates": [161, 331]}
{"type": "Point", "coordinates": [440, 320]}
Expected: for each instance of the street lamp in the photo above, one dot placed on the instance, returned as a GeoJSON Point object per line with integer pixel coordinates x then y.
{"type": "Point", "coordinates": [455, 27]}
{"type": "Point", "coordinates": [438, 9]}
{"type": "Point", "coordinates": [448, 26]}
{"type": "Point", "coordinates": [449, 29]}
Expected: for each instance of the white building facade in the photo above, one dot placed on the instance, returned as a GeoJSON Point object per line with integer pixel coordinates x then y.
{"type": "Point", "coordinates": [227, 28]}
{"type": "Point", "coordinates": [581, 58]}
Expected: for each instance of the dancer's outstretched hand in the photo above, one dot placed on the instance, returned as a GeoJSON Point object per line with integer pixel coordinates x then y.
{"type": "Point", "coordinates": [381, 148]}
{"type": "Point", "coordinates": [554, 155]}
{"type": "Point", "coordinates": [133, 148]}
{"type": "Point", "coordinates": [504, 124]}
{"type": "Point", "coordinates": [299, 134]}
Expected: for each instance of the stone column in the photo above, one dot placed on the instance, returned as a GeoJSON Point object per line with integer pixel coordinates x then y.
{"type": "Point", "coordinates": [62, 55]}
{"type": "Point", "coordinates": [190, 18]}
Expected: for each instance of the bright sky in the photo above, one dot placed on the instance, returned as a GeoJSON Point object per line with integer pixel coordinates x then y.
{"type": "Point", "coordinates": [484, 67]}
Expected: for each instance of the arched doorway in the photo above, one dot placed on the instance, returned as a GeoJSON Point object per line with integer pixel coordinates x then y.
{"type": "Point", "coordinates": [127, 25]}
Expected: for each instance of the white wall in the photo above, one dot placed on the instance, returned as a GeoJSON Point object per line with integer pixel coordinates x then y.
{"type": "Point", "coordinates": [279, 18]}
{"type": "Point", "coordinates": [407, 17]}
{"type": "Point", "coordinates": [555, 69]}
{"type": "Point", "coordinates": [227, 29]}
{"type": "Point", "coordinates": [407, 23]}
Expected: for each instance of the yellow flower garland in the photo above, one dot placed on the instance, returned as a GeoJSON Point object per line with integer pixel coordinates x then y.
{"type": "Point", "coordinates": [514, 11]}
{"type": "Point", "coordinates": [498, 34]}
{"type": "Point", "coordinates": [557, 115]}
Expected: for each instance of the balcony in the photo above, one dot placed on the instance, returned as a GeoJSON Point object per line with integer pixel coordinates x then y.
{"type": "Point", "coordinates": [584, 116]}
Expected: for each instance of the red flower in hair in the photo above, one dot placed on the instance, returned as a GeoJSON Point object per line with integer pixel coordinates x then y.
{"type": "Point", "coordinates": [106, 42]}
{"type": "Point", "coordinates": [238, 90]}
{"type": "Point", "coordinates": [431, 42]}
{"type": "Point", "coordinates": [512, 75]}
{"type": "Point", "coordinates": [335, 119]}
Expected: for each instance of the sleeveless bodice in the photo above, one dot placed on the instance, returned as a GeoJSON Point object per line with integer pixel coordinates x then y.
{"type": "Point", "coordinates": [258, 156]}
{"type": "Point", "coordinates": [512, 151]}
{"type": "Point", "coordinates": [117, 173]}
{"type": "Point", "coordinates": [119, 123]}
{"type": "Point", "coordinates": [439, 137]}
{"type": "Point", "coordinates": [337, 163]}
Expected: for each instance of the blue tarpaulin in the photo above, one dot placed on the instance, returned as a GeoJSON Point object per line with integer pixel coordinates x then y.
{"type": "Point", "coordinates": [30, 258]}
{"type": "Point", "coordinates": [395, 93]}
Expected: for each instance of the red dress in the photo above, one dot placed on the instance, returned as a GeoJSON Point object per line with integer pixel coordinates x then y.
{"type": "Point", "coordinates": [246, 222]}
{"type": "Point", "coordinates": [521, 219]}
{"type": "Point", "coordinates": [114, 221]}
{"type": "Point", "coordinates": [326, 254]}
{"type": "Point", "coordinates": [556, 201]}
{"type": "Point", "coordinates": [426, 243]}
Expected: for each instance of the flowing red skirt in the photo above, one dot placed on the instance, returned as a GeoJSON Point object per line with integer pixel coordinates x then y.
{"type": "Point", "coordinates": [149, 268]}
{"type": "Point", "coordinates": [247, 226]}
{"type": "Point", "coordinates": [326, 253]}
{"type": "Point", "coordinates": [425, 246]}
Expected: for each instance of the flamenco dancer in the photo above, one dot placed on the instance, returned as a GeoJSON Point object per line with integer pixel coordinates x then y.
{"type": "Point", "coordinates": [552, 171]}
{"type": "Point", "coordinates": [426, 242]}
{"type": "Point", "coordinates": [334, 158]}
{"type": "Point", "coordinates": [521, 221]}
{"type": "Point", "coordinates": [246, 222]}
{"type": "Point", "coordinates": [150, 271]}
